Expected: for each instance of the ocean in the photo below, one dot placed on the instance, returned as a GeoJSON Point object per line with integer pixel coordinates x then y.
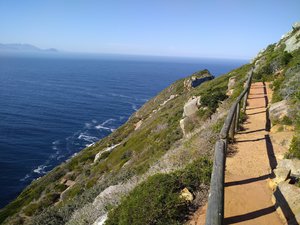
{"type": "Point", "coordinates": [53, 106]}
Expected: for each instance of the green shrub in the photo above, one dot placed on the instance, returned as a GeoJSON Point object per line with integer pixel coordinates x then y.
{"type": "Point", "coordinates": [212, 99]}
{"type": "Point", "coordinates": [31, 208]}
{"type": "Point", "coordinates": [286, 121]}
{"type": "Point", "coordinates": [276, 86]}
{"type": "Point", "coordinates": [157, 200]}
{"type": "Point", "coordinates": [294, 150]}
{"type": "Point", "coordinates": [218, 125]}
{"type": "Point", "coordinates": [196, 173]}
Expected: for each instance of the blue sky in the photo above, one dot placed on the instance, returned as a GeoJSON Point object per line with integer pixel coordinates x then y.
{"type": "Point", "coordinates": [193, 28]}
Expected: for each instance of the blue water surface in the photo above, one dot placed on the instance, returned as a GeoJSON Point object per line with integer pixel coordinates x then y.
{"type": "Point", "coordinates": [52, 107]}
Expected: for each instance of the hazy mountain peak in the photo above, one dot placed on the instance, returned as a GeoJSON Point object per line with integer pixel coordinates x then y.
{"type": "Point", "coordinates": [23, 47]}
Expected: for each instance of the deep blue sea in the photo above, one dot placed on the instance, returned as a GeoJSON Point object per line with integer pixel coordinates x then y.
{"type": "Point", "coordinates": [52, 107]}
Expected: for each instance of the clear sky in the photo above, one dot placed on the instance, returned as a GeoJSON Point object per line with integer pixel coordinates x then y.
{"type": "Point", "coordinates": [195, 28]}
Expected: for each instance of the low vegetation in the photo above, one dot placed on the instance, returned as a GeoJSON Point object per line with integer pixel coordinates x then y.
{"type": "Point", "coordinates": [158, 201]}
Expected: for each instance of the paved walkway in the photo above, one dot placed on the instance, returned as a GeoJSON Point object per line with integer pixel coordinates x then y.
{"type": "Point", "coordinates": [248, 168]}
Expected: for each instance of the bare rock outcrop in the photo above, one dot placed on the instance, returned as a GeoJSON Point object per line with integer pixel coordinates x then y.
{"type": "Point", "coordinates": [293, 41]}
{"type": "Point", "coordinates": [231, 83]}
{"type": "Point", "coordinates": [291, 164]}
{"type": "Point", "coordinates": [197, 78]}
{"type": "Point", "coordinates": [278, 110]}
{"type": "Point", "coordinates": [192, 106]}
{"type": "Point", "coordinates": [286, 199]}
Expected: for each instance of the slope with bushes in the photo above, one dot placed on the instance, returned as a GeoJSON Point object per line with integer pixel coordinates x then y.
{"type": "Point", "coordinates": [150, 142]}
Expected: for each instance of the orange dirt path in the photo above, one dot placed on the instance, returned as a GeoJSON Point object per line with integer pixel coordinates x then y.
{"type": "Point", "coordinates": [249, 166]}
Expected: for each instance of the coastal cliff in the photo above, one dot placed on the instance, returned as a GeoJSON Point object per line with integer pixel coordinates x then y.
{"type": "Point", "coordinates": [157, 166]}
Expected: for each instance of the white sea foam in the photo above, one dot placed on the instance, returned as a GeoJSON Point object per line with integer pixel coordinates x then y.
{"type": "Point", "coordinates": [25, 178]}
{"type": "Point", "coordinates": [133, 106]}
{"type": "Point", "coordinates": [99, 127]}
{"type": "Point", "coordinates": [88, 138]}
{"type": "Point", "coordinates": [107, 121]}
{"type": "Point", "coordinates": [55, 142]}
{"type": "Point", "coordinates": [59, 157]}
{"type": "Point", "coordinates": [88, 125]}
{"type": "Point", "coordinates": [40, 169]}
{"type": "Point", "coordinates": [120, 95]}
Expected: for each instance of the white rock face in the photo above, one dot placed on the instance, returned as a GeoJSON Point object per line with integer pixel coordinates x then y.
{"type": "Point", "coordinates": [282, 174]}
{"type": "Point", "coordinates": [296, 25]}
{"type": "Point", "coordinates": [138, 124]}
{"type": "Point", "coordinates": [98, 155]}
{"type": "Point", "coordinates": [278, 110]}
{"type": "Point", "coordinates": [293, 42]}
{"type": "Point", "coordinates": [101, 220]}
{"type": "Point", "coordinates": [169, 99]}
{"type": "Point", "coordinates": [288, 194]}
{"type": "Point", "coordinates": [292, 164]}
{"type": "Point", "coordinates": [191, 107]}
{"type": "Point", "coordinates": [182, 125]}
{"type": "Point", "coordinates": [230, 86]}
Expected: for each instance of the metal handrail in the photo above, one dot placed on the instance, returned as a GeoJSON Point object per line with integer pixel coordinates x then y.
{"type": "Point", "coordinates": [215, 208]}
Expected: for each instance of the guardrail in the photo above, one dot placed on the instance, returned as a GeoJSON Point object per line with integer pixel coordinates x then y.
{"type": "Point", "coordinates": [215, 208]}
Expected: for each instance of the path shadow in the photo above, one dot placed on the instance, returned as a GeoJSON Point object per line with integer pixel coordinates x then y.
{"type": "Point", "coordinates": [268, 122]}
{"type": "Point", "coordinates": [270, 152]}
{"type": "Point", "coordinates": [251, 140]}
{"type": "Point", "coordinates": [249, 114]}
{"type": "Point", "coordinates": [256, 87]}
{"type": "Point", "coordinates": [259, 107]}
{"type": "Point", "coordinates": [249, 216]}
{"type": "Point", "coordinates": [256, 97]}
{"type": "Point", "coordinates": [249, 132]}
{"type": "Point", "coordinates": [258, 94]}
{"type": "Point", "coordinates": [246, 181]}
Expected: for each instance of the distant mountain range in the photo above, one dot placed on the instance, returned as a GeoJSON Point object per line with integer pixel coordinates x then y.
{"type": "Point", "coordinates": [24, 48]}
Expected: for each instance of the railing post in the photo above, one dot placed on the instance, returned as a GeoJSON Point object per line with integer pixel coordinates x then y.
{"type": "Point", "coordinates": [237, 117]}
{"type": "Point", "coordinates": [232, 126]}
{"type": "Point", "coordinates": [245, 101]}
{"type": "Point", "coordinates": [215, 208]}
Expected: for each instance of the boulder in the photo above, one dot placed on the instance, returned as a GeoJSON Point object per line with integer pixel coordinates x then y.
{"type": "Point", "coordinates": [296, 26]}
{"type": "Point", "coordinates": [231, 83]}
{"type": "Point", "coordinates": [138, 124]}
{"type": "Point", "coordinates": [291, 164]}
{"type": "Point", "coordinates": [282, 174]}
{"type": "Point", "coordinates": [278, 110]}
{"type": "Point", "coordinates": [191, 107]}
{"type": "Point", "coordinates": [182, 125]}
{"type": "Point", "coordinates": [186, 195]}
{"type": "Point", "coordinates": [292, 43]}
{"type": "Point", "coordinates": [287, 202]}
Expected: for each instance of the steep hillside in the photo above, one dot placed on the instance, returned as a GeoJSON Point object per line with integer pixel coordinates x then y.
{"type": "Point", "coordinates": [155, 168]}
{"type": "Point", "coordinates": [152, 141]}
